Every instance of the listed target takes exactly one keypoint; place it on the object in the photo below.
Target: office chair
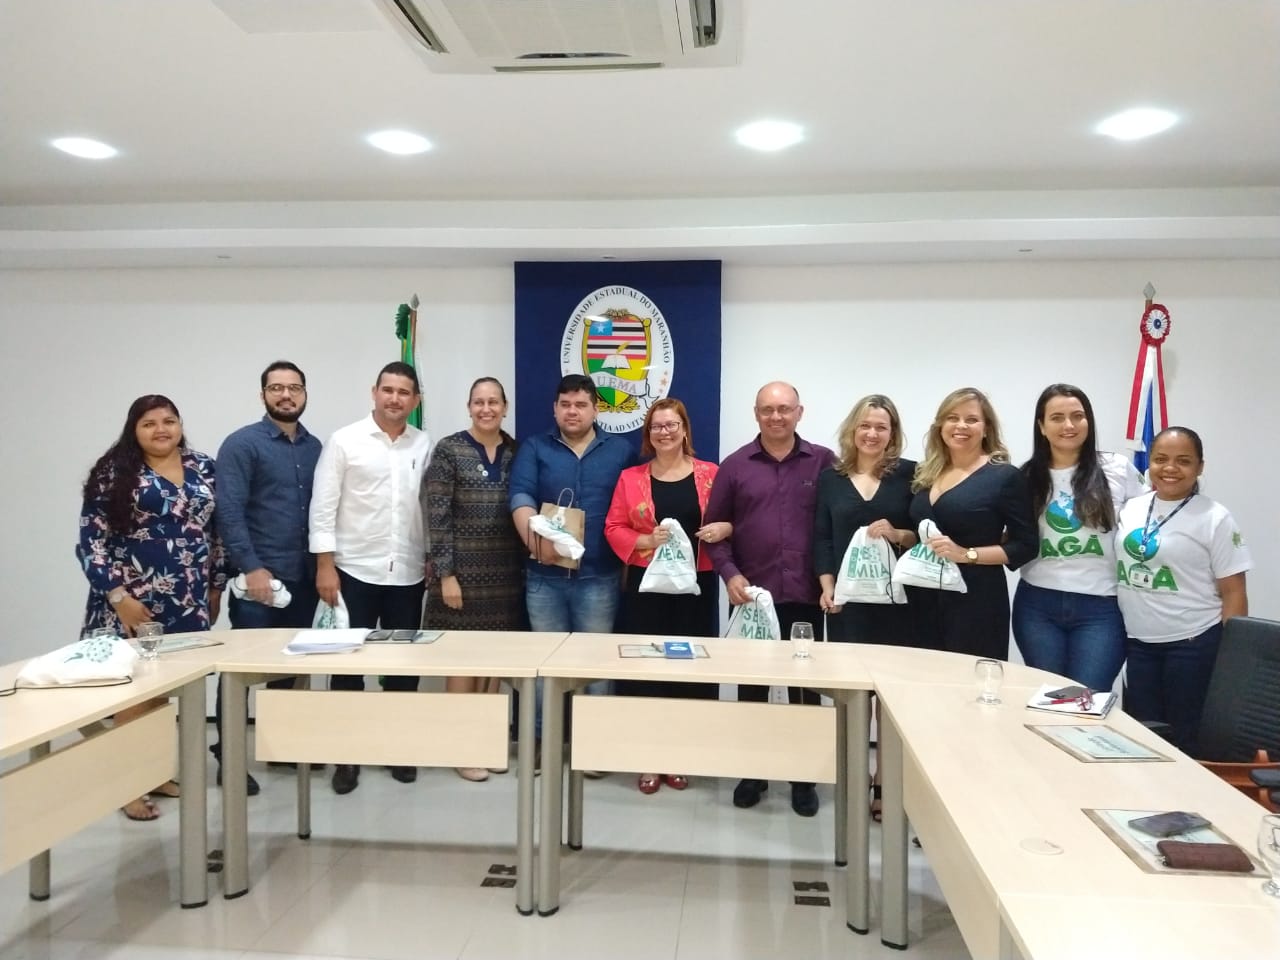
(1270, 779)
(1240, 728)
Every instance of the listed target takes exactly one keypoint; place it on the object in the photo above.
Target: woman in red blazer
(670, 485)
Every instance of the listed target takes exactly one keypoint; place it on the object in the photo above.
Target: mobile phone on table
(1073, 692)
(1168, 824)
(404, 636)
(377, 636)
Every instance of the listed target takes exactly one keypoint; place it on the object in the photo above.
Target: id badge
(1141, 576)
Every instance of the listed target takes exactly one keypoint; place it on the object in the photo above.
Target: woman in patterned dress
(147, 545)
(475, 580)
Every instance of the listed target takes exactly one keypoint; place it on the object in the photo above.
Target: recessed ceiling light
(400, 142)
(1137, 123)
(770, 135)
(86, 148)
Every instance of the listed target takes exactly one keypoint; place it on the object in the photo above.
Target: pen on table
(659, 647)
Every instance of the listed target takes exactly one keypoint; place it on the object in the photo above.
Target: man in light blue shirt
(265, 472)
(574, 465)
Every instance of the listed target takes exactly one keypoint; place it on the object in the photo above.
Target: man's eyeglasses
(665, 427)
(783, 411)
(275, 389)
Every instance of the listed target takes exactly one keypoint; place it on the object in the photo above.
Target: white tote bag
(866, 572)
(921, 567)
(331, 618)
(756, 619)
(92, 662)
(674, 567)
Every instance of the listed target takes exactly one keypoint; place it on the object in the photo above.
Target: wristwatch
(116, 596)
(971, 554)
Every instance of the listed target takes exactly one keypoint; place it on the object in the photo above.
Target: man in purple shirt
(768, 491)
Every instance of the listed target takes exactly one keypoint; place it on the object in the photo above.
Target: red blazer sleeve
(630, 515)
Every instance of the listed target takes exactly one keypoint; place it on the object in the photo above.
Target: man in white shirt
(366, 526)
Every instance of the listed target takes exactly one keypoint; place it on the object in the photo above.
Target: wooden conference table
(984, 794)
(337, 726)
(716, 738)
(109, 766)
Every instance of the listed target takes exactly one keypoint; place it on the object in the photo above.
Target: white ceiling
(932, 102)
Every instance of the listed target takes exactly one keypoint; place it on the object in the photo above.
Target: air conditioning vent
(525, 36)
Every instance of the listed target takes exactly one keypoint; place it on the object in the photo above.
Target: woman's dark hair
(114, 477)
(494, 380)
(1089, 487)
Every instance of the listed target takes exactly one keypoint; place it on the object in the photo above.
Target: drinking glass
(988, 674)
(149, 636)
(802, 640)
(1269, 849)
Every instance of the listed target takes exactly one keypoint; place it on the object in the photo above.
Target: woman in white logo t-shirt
(1181, 565)
(1065, 616)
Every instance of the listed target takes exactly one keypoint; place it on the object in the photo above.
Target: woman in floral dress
(147, 545)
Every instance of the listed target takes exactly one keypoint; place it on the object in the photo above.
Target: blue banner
(641, 330)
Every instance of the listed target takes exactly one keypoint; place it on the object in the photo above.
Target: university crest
(618, 337)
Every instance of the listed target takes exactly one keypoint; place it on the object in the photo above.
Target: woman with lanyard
(1065, 616)
(1182, 563)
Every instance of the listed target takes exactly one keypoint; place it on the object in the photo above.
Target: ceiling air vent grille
(524, 36)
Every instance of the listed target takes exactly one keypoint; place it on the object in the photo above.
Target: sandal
(676, 781)
(649, 783)
(169, 789)
(875, 802)
(140, 809)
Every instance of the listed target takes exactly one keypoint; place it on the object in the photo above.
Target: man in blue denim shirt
(265, 472)
(586, 462)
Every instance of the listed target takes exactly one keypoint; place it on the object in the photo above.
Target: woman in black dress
(966, 485)
(869, 486)
(671, 485)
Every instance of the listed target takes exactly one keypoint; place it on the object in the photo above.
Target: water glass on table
(988, 674)
(149, 635)
(801, 640)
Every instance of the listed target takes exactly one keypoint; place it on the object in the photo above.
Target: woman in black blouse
(983, 511)
(869, 486)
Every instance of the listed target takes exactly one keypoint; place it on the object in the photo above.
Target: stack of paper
(1102, 703)
(326, 641)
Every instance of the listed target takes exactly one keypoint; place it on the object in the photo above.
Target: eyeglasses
(672, 427)
(783, 411)
(275, 389)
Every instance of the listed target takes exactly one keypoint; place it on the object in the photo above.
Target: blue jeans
(1168, 682)
(567, 604)
(1077, 635)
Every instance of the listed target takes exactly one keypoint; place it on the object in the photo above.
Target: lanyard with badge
(1148, 531)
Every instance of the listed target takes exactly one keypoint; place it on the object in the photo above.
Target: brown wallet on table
(1223, 857)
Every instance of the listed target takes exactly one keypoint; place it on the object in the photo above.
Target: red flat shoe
(676, 781)
(649, 783)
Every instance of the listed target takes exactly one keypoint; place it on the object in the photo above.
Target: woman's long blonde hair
(936, 456)
(848, 460)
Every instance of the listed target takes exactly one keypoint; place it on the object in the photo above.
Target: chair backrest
(1242, 708)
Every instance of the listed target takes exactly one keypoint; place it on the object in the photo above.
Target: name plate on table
(1097, 744)
(667, 651)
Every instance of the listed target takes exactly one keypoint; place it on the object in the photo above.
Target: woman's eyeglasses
(672, 427)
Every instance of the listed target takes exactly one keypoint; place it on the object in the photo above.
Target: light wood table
(709, 737)
(109, 767)
(337, 726)
(983, 792)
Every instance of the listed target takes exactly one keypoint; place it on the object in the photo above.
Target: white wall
(78, 346)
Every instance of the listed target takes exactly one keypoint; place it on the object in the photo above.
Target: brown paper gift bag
(570, 519)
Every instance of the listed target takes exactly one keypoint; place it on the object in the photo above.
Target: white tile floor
(394, 872)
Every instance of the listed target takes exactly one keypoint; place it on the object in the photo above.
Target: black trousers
(372, 605)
